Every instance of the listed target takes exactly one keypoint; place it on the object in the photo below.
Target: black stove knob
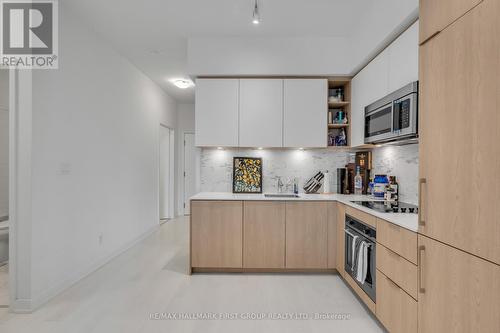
(403, 210)
(395, 209)
(411, 209)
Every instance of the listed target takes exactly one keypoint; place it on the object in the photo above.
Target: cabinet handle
(421, 220)
(421, 249)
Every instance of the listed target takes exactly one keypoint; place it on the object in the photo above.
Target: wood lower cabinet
(398, 269)
(264, 234)
(395, 309)
(459, 110)
(332, 234)
(306, 235)
(397, 239)
(459, 292)
(340, 238)
(435, 15)
(216, 234)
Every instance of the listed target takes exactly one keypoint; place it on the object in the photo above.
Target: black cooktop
(389, 206)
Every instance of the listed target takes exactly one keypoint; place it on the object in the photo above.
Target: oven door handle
(350, 233)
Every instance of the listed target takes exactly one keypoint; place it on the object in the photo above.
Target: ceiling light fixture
(256, 13)
(182, 83)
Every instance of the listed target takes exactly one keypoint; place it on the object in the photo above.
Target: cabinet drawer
(398, 269)
(395, 309)
(362, 216)
(397, 239)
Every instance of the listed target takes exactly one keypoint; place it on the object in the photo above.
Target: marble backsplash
(216, 167)
(401, 162)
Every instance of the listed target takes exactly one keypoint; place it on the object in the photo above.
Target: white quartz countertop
(407, 221)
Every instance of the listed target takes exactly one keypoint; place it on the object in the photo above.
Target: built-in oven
(394, 117)
(360, 247)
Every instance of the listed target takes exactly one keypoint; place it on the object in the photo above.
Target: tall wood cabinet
(458, 292)
(435, 15)
(459, 133)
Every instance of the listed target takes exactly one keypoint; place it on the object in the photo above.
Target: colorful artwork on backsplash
(247, 175)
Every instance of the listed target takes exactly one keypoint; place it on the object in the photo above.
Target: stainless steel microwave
(394, 117)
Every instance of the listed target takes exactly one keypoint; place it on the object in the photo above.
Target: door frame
(171, 172)
(184, 170)
(14, 146)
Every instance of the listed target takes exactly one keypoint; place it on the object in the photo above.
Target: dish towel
(362, 262)
(353, 252)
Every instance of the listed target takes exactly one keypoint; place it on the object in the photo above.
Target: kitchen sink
(281, 195)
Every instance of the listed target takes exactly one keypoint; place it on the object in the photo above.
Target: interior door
(164, 172)
(190, 153)
(459, 136)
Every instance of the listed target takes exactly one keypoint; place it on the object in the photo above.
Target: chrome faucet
(279, 185)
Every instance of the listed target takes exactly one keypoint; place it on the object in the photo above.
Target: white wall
(269, 56)
(376, 26)
(185, 124)
(94, 162)
(4, 143)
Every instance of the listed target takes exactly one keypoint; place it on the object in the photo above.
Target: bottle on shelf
(326, 182)
(358, 182)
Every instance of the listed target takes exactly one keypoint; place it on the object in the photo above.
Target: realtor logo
(29, 34)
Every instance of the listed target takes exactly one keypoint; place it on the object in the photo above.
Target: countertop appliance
(358, 234)
(389, 206)
(394, 117)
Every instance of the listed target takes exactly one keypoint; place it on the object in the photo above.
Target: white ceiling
(153, 34)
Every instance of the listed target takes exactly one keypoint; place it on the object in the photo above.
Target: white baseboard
(30, 305)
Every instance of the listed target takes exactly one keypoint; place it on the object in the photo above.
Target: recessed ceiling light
(220, 148)
(260, 148)
(256, 14)
(182, 83)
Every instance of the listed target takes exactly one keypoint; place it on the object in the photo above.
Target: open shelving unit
(343, 105)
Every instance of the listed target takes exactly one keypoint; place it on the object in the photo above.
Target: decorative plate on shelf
(247, 175)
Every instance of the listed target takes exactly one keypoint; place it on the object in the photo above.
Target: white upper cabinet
(305, 113)
(261, 113)
(368, 86)
(403, 59)
(217, 112)
(392, 69)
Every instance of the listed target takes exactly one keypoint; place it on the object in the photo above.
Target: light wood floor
(151, 278)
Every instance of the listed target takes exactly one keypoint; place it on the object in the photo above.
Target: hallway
(151, 278)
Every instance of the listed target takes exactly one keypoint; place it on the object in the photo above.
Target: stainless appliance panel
(394, 117)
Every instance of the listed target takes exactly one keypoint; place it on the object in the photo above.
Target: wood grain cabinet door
(332, 234)
(264, 234)
(459, 133)
(436, 15)
(395, 308)
(458, 292)
(216, 234)
(306, 235)
(340, 238)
